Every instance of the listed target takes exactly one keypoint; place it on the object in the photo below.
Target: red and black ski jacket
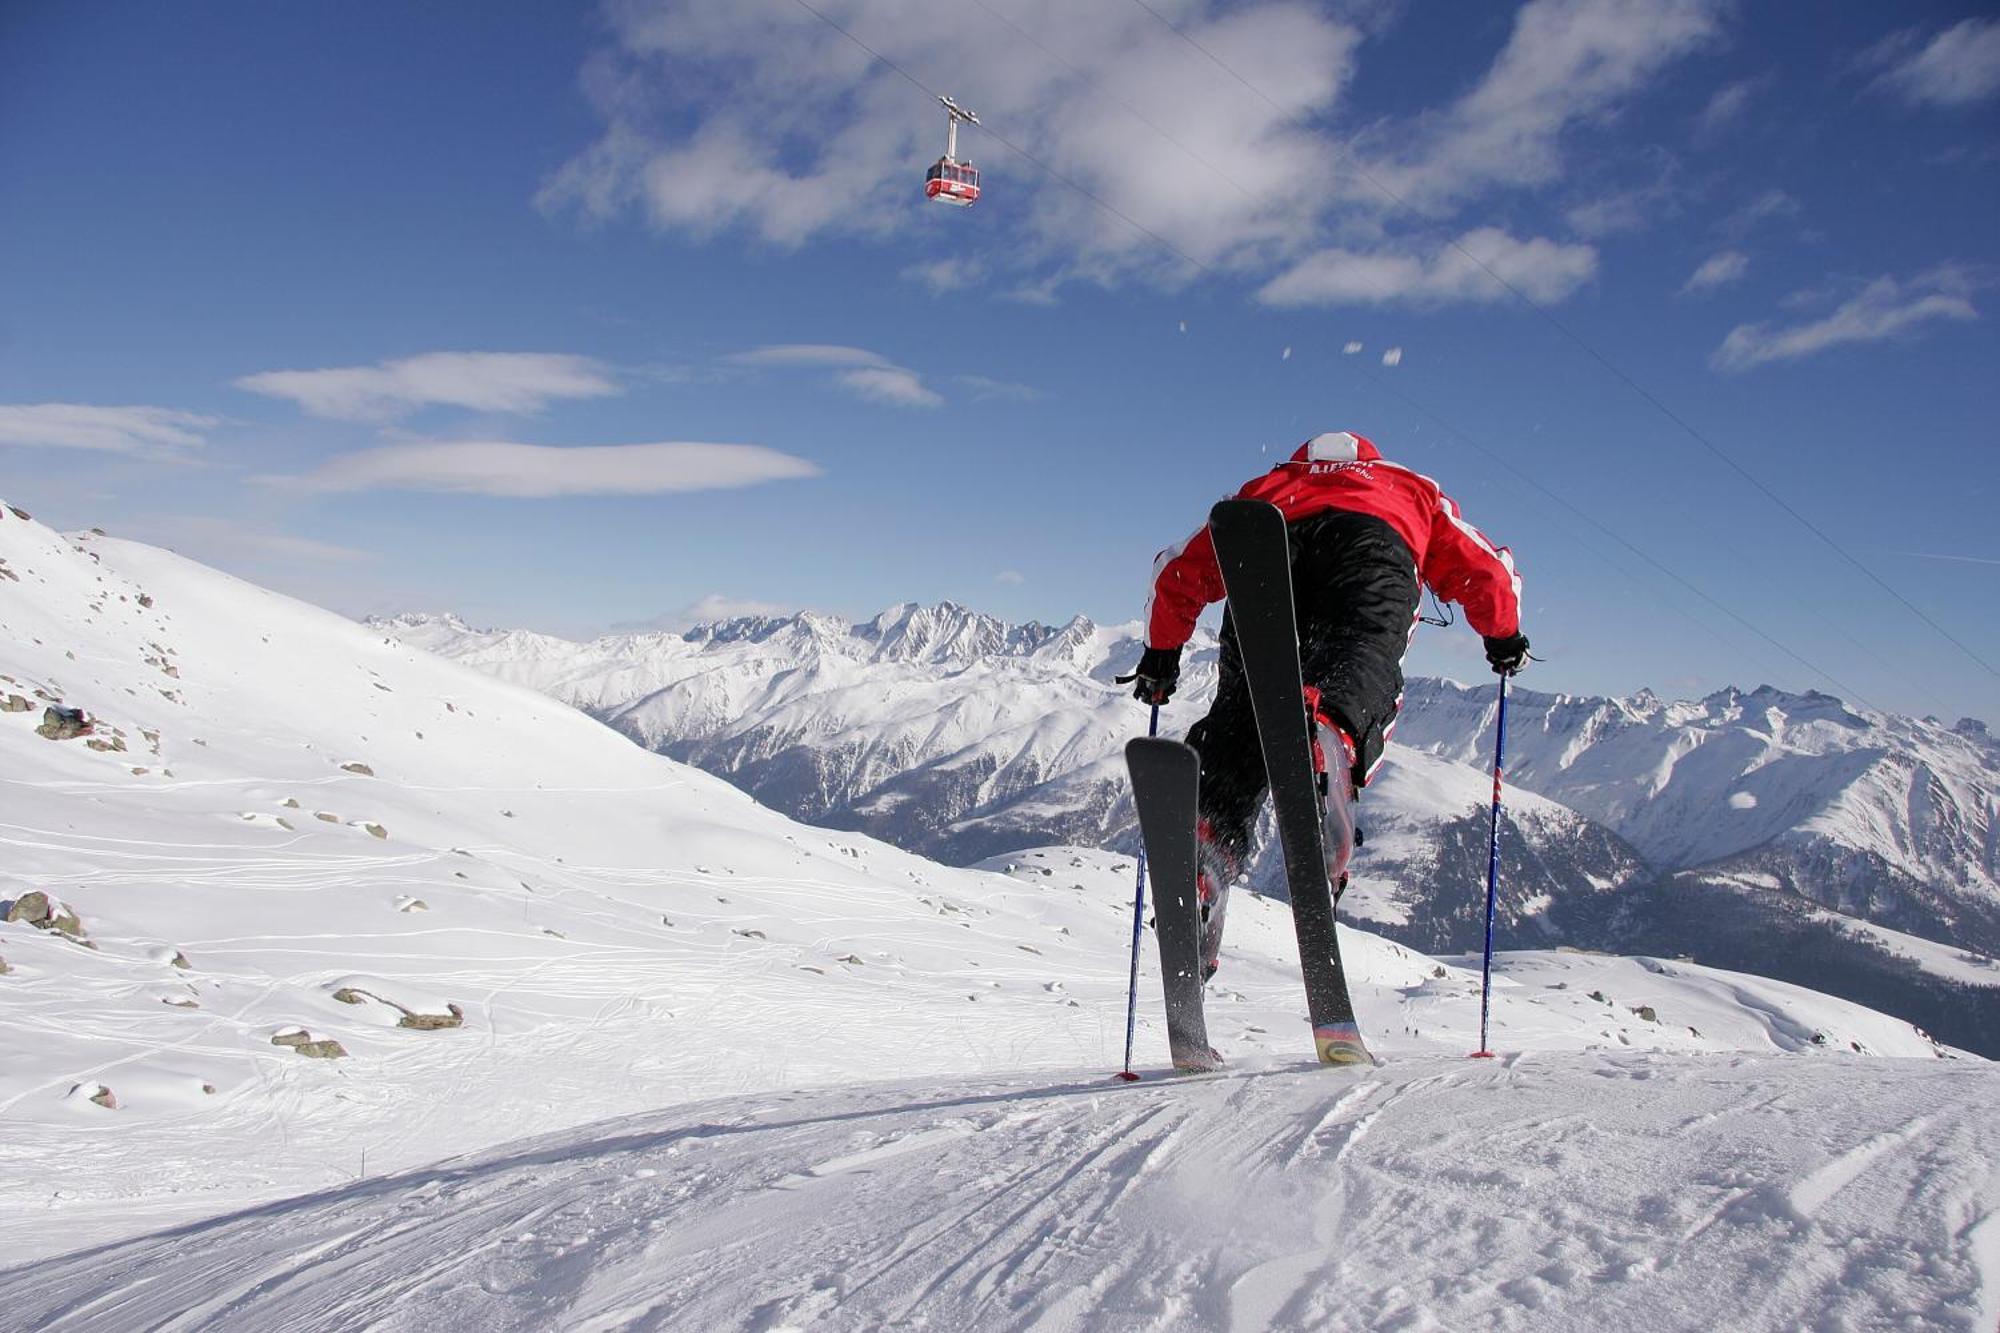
(1345, 471)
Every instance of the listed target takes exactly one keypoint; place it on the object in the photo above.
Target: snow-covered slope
(1562, 1194)
(1635, 824)
(513, 921)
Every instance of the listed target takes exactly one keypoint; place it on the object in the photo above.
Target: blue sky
(313, 292)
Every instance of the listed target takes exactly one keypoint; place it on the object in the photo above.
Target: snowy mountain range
(1847, 849)
(304, 931)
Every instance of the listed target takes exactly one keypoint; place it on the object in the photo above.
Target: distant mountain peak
(415, 620)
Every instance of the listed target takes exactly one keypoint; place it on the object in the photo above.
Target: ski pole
(1138, 926)
(1492, 874)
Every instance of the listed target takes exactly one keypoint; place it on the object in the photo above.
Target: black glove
(1508, 656)
(1159, 670)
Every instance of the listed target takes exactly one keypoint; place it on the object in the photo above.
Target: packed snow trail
(1584, 1191)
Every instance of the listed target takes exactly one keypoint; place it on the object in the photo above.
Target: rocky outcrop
(415, 1019)
(96, 1094)
(63, 724)
(316, 1048)
(44, 911)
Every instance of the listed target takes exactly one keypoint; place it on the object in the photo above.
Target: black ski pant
(1354, 593)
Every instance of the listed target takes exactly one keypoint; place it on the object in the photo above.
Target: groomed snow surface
(780, 1077)
(1577, 1192)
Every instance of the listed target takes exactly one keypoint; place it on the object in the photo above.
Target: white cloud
(806, 354)
(1727, 106)
(1013, 578)
(1627, 210)
(889, 384)
(1350, 349)
(1957, 67)
(1882, 309)
(816, 138)
(858, 371)
(154, 432)
(757, 118)
(1771, 203)
(1718, 270)
(712, 609)
(1958, 559)
(482, 381)
(720, 606)
(984, 388)
(941, 276)
(1630, 209)
(218, 540)
(540, 471)
(1542, 269)
(1567, 61)
(1393, 357)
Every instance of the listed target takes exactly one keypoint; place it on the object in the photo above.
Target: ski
(1252, 548)
(1165, 778)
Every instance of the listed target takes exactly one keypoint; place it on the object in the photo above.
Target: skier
(1366, 534)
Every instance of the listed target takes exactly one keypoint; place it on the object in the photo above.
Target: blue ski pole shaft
(1492, 869)
(1138, 928)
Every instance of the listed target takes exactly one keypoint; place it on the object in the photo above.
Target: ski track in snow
(1582, 1192)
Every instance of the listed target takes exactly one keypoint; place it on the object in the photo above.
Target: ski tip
(1341, 1044)
(1126, 1076)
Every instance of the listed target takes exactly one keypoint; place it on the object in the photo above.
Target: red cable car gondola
(950, 181)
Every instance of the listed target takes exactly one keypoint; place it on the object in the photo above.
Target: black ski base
(1166, 777)
(1253, 551)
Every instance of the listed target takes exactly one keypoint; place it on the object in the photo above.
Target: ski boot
(1217, 867)
(1336, 791)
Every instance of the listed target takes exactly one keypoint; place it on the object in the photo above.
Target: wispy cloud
(1956, 67)
(721, 606)
(895, 385)
(1771, 203)
(1727, 106)
(543, 471)
(1542, 269)
(806, 354)
(1568, 61)
(816, 140)
(1718, 270)
(985, 389)
(1955, 559)
(1883, 309)
(481, 381)
(711, 609)
(1624, 210)
(152, 432)
(856, 370)
(1012, 578)
(227, 540)
(940, 276)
